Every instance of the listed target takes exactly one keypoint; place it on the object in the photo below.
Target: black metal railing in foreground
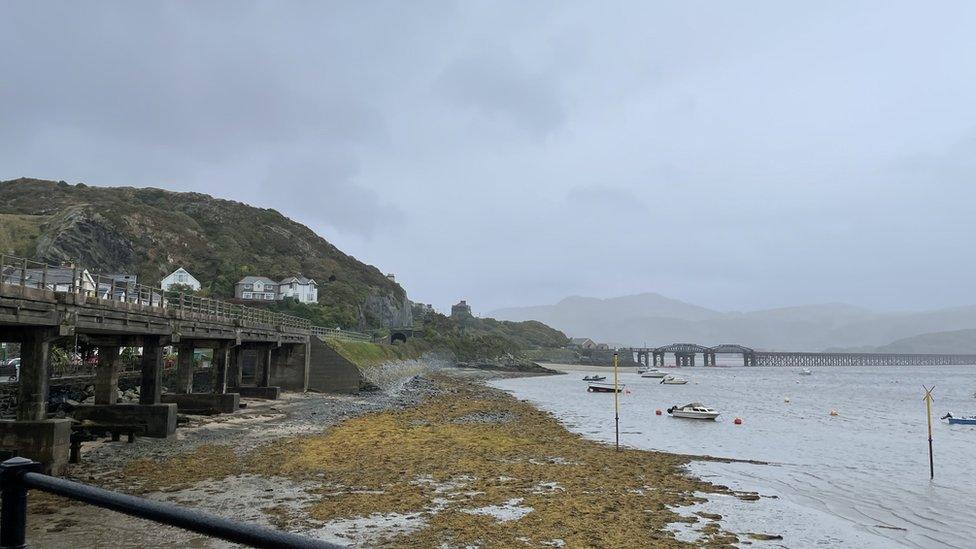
(18, 475)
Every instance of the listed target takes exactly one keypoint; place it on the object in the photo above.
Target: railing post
(13, 502)
(23, 274)
(44, 278)
(74, 279)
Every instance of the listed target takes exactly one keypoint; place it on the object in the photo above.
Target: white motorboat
(641, 369)
(694, 410)
(806, 372)
(653, 372)
(672, 380)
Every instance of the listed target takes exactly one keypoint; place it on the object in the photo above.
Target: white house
(181, 277)
(256, 288)
(303, 289)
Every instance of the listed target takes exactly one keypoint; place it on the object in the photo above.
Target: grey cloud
(495, 85)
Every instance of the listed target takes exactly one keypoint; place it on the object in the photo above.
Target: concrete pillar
(107, 375)
(34, 376)
(234, 371)
(692, 358)
(184, 368)
(152, 371)
(221, 362)
(263, 377)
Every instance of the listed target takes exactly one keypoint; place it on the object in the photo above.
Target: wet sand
(444, 461)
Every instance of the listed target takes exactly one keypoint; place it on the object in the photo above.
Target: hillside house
(256, 288)
(461, 310)
(180, 277)
(582, 343)
(303, 289)
(58, 279)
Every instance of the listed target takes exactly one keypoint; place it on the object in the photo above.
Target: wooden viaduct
(35, 311)
(685, 355)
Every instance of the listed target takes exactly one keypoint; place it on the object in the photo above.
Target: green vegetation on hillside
(474, 338)
(365, 354)
(19, 232)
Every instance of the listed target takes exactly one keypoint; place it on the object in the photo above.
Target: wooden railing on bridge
(18, 271)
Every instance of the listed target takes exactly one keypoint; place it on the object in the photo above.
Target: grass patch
(18, 233)
(364, 354)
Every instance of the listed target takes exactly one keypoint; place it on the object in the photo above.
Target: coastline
(441, 460)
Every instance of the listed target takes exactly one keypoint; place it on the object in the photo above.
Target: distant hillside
(657, 320)
(478, 338)
(151, 232)
(956, 341)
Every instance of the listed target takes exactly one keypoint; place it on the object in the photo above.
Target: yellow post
(616, 401)
(928, 398)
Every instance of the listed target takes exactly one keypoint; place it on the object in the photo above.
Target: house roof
(298, 279)
(253, 279)
(580, 340)
(55, 275)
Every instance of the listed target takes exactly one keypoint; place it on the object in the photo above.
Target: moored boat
(653, 372)
(806, 372)
(594, 378)
(971, 420)
(693, 410)
(604, 388)
(672, 380)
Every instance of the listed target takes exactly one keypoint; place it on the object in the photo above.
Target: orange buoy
(738, 421)
(657, 412)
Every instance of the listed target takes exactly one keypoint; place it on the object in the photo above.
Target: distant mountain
(955, 341)
(657, 320)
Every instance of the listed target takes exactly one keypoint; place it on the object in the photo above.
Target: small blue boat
(971, 420)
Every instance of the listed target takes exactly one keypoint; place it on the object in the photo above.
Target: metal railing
(18, 475)
(338, 333)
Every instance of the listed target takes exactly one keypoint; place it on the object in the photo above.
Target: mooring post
(13, 501)
(928, 398)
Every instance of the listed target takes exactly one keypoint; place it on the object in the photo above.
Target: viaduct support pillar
(32, 435)
(107, 375)
(184, 368)
(221, 363)
(218, 400)
(151, 387)
(262, 377)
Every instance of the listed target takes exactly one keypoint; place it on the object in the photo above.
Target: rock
(71, 402)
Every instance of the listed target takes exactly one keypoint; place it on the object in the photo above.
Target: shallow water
(860, 478)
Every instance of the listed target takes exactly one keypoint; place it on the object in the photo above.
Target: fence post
(3, 270)
(74, 279)
(44, 277)
(13, 501)
(23, 274)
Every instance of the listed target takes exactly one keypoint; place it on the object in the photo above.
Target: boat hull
(594, 388)
(653, 374)
(962, 421)
(695, 415)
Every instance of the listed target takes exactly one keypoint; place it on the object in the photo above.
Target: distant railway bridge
(685, 354)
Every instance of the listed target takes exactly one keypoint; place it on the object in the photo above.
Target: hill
(151, 232)
(955, 341)
(657, 320)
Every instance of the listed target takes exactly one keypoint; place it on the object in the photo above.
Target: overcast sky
(734, 154)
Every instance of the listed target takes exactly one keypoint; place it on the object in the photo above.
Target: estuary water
(857, 479)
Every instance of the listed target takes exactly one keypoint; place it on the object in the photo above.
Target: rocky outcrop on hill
(80, 234)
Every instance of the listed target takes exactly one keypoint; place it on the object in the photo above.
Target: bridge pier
(158, 418)
(107, 375)
(218, 400)
(32, 435)
(262, 373)
(184, 368)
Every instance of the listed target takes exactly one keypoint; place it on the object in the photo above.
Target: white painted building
(182, 277)
(256, 288)
(303, 289)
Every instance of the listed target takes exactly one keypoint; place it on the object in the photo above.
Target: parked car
(10, 369)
